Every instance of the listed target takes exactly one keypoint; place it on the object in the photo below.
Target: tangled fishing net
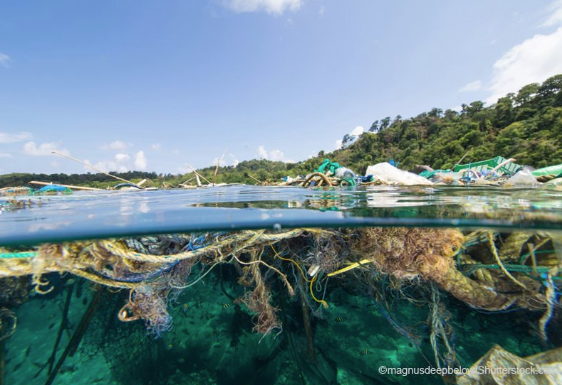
(483, 269)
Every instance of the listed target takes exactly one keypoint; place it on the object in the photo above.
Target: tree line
(88, 179)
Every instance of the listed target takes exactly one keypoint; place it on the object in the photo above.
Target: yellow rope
(287, 234)
(283, 276)
(289, 260)
(306, 183)
(499, 262)
(251, 237)
(104, 281)
(533, 257)
(324, 303)
(123, 252)
(351, 267)
(72, 258)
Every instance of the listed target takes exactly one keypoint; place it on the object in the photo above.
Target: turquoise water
(115, 214)
(370, 319)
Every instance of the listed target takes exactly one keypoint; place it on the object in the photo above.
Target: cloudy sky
(155, 85)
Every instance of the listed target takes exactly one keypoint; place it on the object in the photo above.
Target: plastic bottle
(345, 173)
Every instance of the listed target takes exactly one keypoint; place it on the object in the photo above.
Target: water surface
(86, 215)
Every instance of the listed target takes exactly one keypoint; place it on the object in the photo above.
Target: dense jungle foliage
(526, 125)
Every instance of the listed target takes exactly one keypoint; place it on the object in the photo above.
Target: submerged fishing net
(485, 270)
(130, 362)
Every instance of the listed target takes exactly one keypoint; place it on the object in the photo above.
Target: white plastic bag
(522, 178)
(385, 172)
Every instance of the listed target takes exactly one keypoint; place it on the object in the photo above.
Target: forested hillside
(526, 125)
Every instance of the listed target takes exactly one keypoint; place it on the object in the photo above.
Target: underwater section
(350, 305)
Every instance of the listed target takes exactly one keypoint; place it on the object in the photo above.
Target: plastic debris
(387, 173)
(522, 178)
(547, 173)
(500, 367)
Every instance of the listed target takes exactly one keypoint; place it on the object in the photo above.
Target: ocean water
(117, 214)
(340, 329)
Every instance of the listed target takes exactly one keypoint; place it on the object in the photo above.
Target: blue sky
(153, 85)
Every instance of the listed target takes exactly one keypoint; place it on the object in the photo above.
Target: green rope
(470, 268)
(514, 268)
(527, 255)
(26, 254)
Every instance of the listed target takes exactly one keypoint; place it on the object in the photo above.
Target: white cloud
(228, 160)
(108, 166)
(4, 155)
(12, 138)
(273, 155)
(4, 59)
(276, 155)
(233, 160)
(532, 61)
(472, 86)
(276, 7)
(322, 11)
(44, 149)
(105, 166)
(555, 14)
(262, 152)
(185, 169)
(156, 147)
(220, 161)
(457, 108)
(117, 145)
(357, 131)
(140, 160)
(122, 157)
(88, 169)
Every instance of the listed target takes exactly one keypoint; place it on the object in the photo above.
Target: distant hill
(93, 180)
(526, 125)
